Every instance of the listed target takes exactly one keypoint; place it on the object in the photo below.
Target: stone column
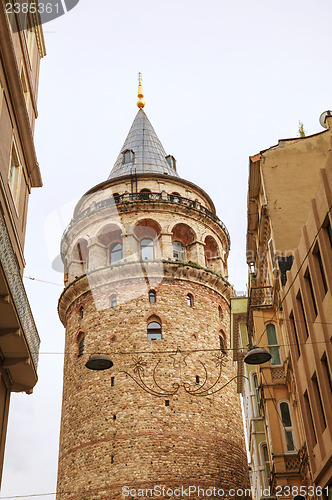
(97, 255)
(197, 253)
(166, 245)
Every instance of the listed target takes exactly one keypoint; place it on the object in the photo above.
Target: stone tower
(146, 284)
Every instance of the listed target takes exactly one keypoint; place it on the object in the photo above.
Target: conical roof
(149, 155)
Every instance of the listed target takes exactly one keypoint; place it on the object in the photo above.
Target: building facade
(256, 440)
(289, 308)
(146, 284)
(307, 305)
(21, 48)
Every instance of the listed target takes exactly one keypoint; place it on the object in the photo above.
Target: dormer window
(171, 161)
(128, 156)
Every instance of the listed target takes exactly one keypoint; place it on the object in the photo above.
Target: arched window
(178, 250)
(81, 311)
(113, 301)
(81, 252)
(115, 253)
(144, 194)
(190, 300)
(116, 197)
(211, 252)
(80, 341)
(154, 331)
(256, 398)
(223, 342)
(273, 344)
(152, 296)
(287, 425)
(175, 197)
(221, 314)
(147, 250)
(183, 238)
(265, 461)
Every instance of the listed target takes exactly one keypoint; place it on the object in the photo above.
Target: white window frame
(112, 251)
(285, 429)
(150, 246)
(253, 395)
(274, 345)
(154, 333)
(181, 251)
(263, 463)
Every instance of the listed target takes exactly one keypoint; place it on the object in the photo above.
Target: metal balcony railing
(150, 197)
(261, 296)
(15, 283)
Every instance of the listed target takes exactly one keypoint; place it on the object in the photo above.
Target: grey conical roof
(149, 157)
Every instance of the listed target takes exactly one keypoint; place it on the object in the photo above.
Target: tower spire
(140, 95)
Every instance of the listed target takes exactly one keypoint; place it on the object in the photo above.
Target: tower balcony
(122, 201)
(19, 339)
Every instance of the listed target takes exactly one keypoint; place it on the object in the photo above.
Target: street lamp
(99, 362)
(257, 356)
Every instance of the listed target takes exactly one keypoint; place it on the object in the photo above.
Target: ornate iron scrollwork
(206, 387)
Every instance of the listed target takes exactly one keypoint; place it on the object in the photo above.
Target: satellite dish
(323, 116)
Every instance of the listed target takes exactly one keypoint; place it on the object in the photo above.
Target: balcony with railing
(260, 297)
(19, 339)
(146, 197)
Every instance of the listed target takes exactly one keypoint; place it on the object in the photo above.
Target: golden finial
(140, 95)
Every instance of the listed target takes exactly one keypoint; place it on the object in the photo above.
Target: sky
(222, 80)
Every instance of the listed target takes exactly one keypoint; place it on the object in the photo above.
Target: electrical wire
(42, 281)
(185, 351)
(28, 496)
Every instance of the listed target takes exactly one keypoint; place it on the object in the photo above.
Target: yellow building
(307, 307)
(256, 441)
(282, 182)
(21, 48)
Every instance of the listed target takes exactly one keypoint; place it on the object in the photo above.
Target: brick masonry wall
(194, 440)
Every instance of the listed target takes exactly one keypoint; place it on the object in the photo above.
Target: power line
(42, 281)
(172, 351)
(28, 496)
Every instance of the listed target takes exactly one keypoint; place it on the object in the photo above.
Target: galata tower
(146, 296)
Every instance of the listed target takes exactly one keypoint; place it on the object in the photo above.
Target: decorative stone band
(16, 287)
(155, 271)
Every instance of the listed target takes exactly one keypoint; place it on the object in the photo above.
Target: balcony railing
(15, 283)
(261, 296)
(150, 197)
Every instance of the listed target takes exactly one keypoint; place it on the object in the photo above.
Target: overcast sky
(222, 81)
